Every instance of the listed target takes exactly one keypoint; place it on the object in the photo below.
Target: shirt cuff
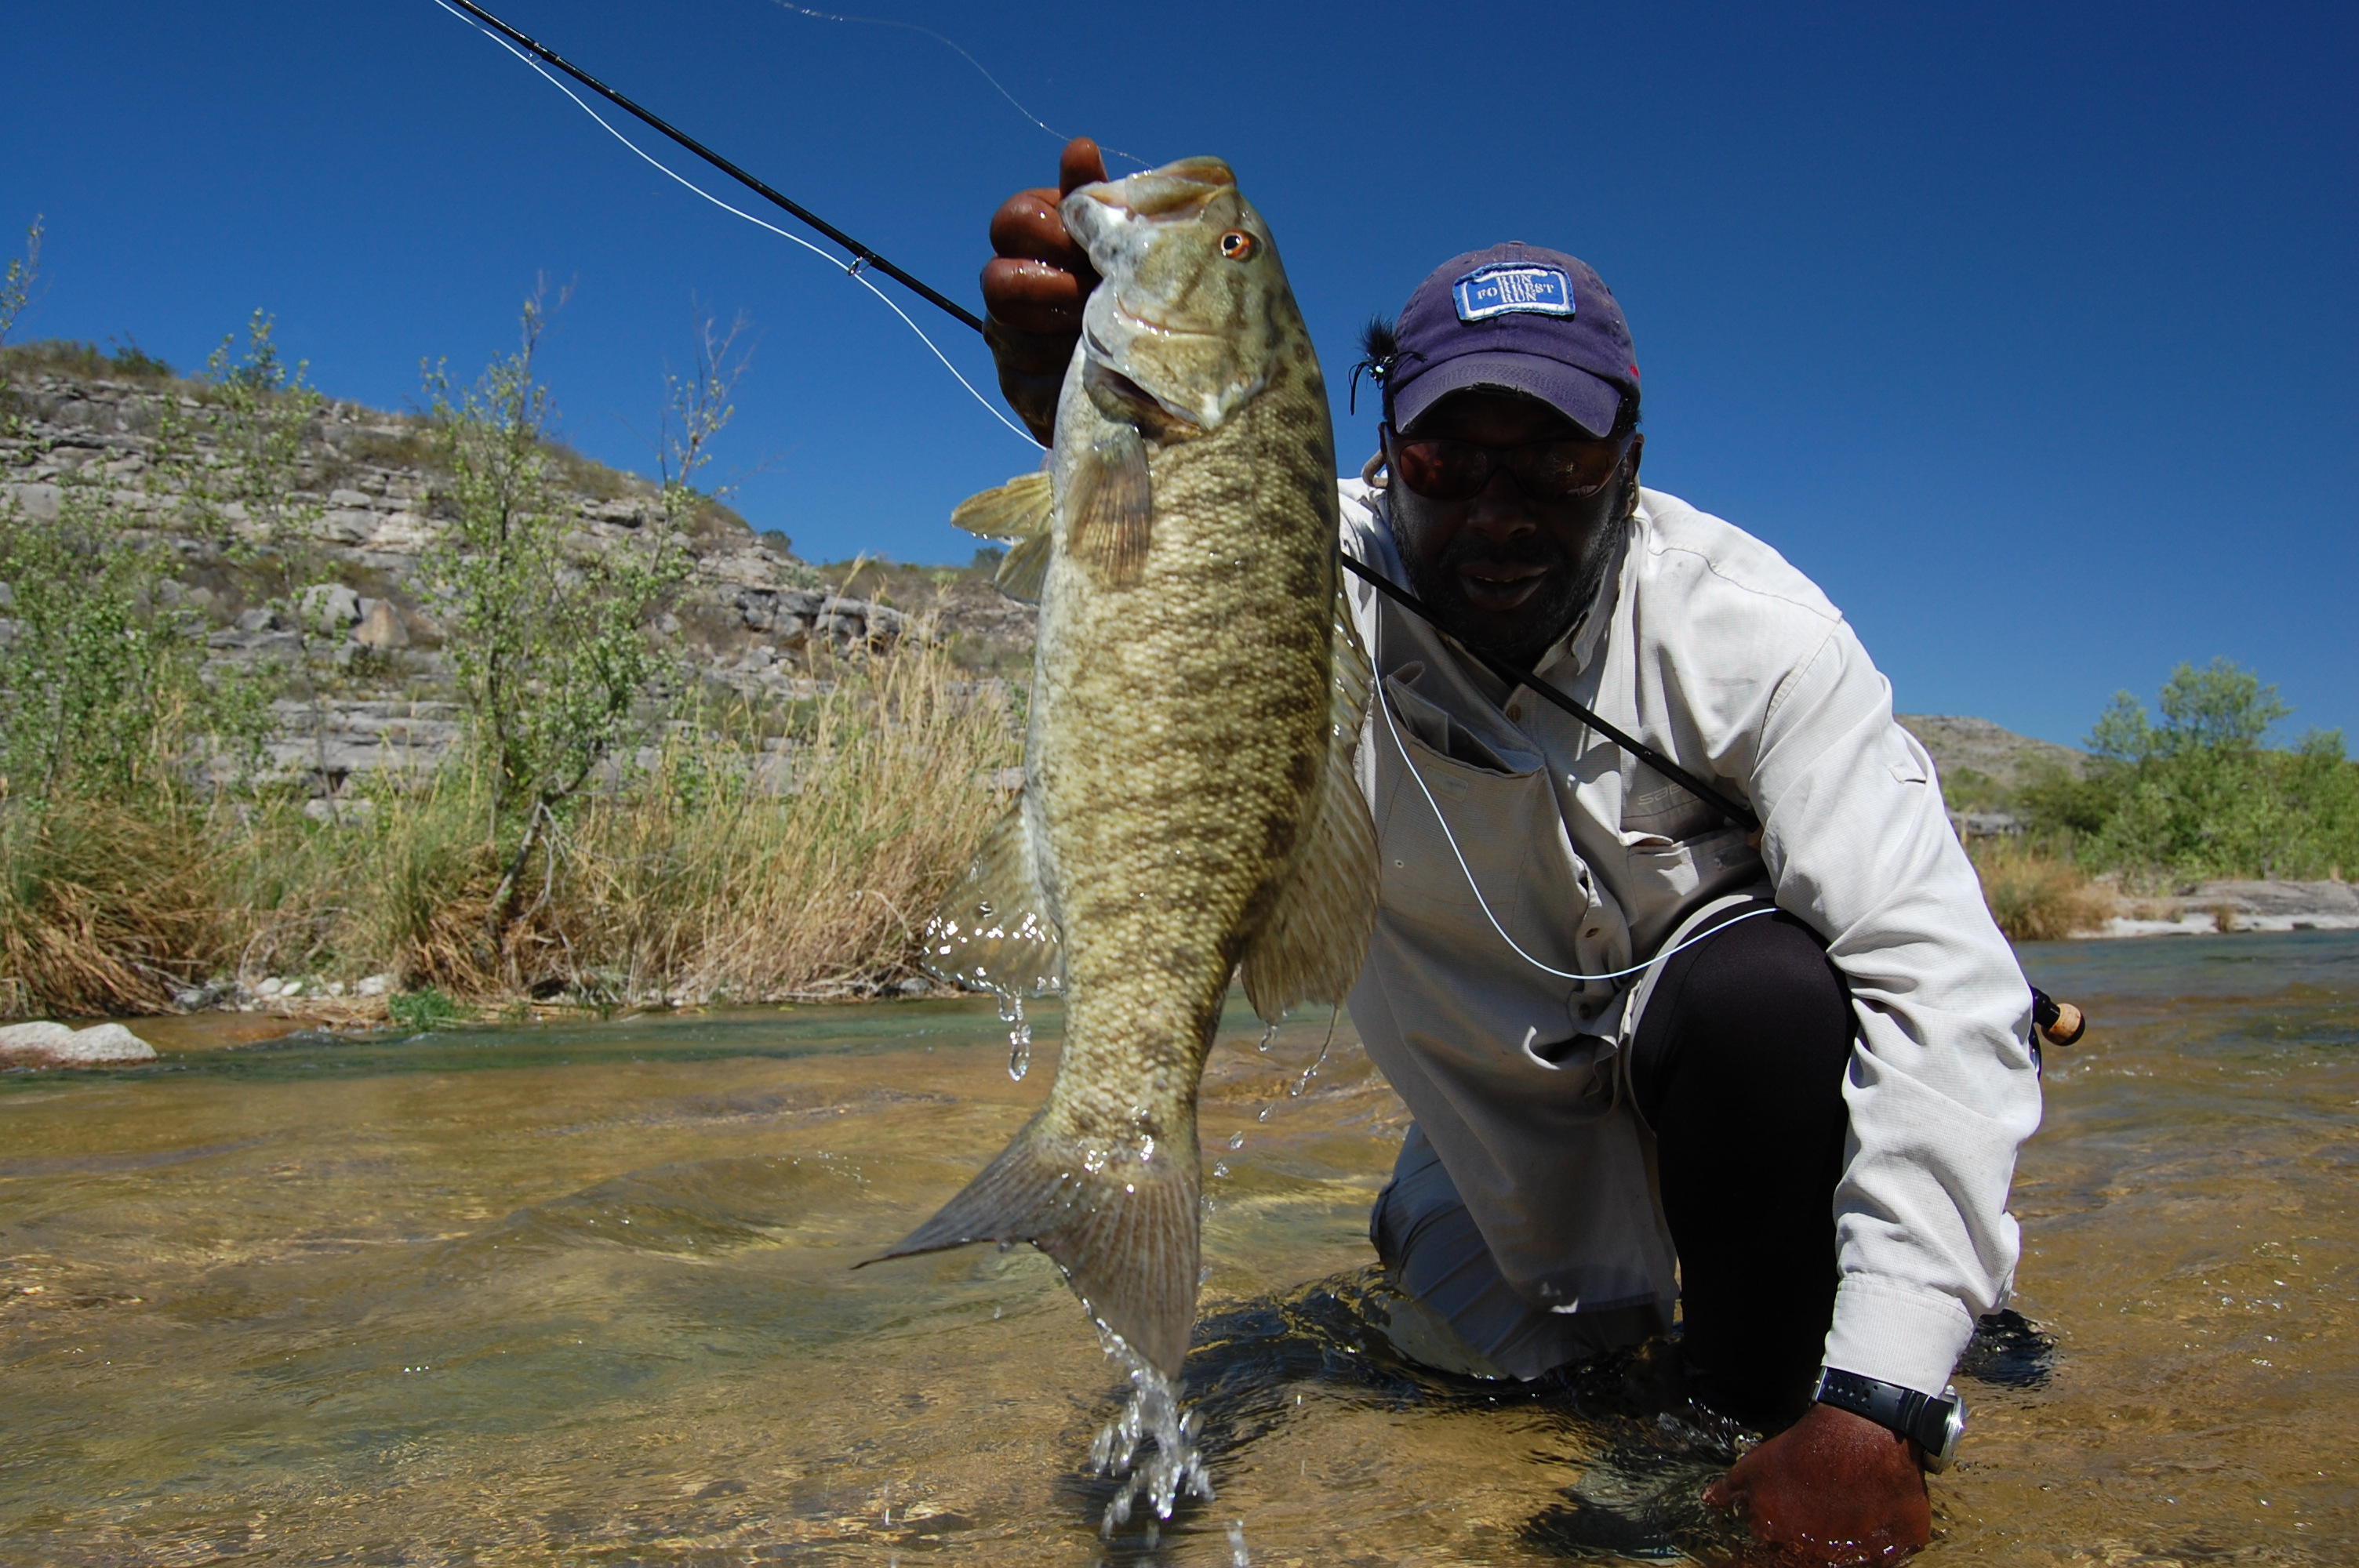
(1896, 1334)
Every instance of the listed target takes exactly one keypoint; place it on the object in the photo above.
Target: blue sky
(2028, 332)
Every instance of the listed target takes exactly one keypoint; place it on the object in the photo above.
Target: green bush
(2197, 795)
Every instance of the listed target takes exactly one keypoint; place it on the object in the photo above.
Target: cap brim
(1589, 401)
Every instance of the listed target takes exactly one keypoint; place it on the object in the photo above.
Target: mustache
(1529, 550)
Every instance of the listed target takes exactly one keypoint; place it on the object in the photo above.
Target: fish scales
(1189, 801)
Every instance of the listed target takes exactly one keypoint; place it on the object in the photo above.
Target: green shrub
(2197, 795)
(421, 1010)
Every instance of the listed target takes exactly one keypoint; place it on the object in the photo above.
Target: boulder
(330, 604)
(382, 627)
(49, 1044)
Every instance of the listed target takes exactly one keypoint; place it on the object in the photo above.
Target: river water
(584, 1294)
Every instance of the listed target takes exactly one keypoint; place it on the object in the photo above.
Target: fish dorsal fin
(1016, 510)
(1109, 501)
(1316, 937)
(996, 930)
(1020, 512)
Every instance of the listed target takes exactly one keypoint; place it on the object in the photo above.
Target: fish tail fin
(1126, 1234)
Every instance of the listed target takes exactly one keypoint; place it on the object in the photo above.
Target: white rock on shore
(2219, 906)
(46, 1044)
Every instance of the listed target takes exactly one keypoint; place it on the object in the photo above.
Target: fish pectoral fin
(1316, 937)
(996, 930)
(1126, 1233)
(1111, 503)
(1016, 510)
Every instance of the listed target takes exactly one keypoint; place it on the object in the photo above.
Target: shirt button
(1515, 711)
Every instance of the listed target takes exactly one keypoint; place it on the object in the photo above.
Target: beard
(1521, 635)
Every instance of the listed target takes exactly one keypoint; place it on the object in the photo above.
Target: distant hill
(1983, 765)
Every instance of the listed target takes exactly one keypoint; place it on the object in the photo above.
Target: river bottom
(586, 1295)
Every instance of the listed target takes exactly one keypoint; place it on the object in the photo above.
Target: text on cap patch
(1511, 290)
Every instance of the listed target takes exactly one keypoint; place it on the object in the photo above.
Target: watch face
(1953, 1426)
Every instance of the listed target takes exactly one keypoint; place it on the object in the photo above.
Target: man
(1793, 1062)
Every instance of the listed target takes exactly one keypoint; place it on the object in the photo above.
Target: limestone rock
(47, 1044)
(381, 627)
(330, 604)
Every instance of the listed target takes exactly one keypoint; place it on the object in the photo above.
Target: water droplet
(1237, 1138)
(1019, 1051)
(1237, 1555)
(1151, 1446)
(1220, 1169)
(1263, 1114)
(1266, 1036)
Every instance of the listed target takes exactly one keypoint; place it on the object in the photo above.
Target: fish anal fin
(997, 931)
(1311, 945)
(1109, 502)
(1124, 1230)
(1016, 510)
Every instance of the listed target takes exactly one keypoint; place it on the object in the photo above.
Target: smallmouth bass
(1189, 803)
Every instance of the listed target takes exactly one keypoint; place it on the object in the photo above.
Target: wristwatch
(1933, 1424)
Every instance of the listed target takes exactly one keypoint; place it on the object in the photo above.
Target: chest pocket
(1676, 849)
(1502, 818)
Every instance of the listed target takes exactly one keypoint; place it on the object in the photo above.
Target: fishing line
(1384, 702)
(855, 269)
(953, 45)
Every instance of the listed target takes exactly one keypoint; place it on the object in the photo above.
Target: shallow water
(584, 1294)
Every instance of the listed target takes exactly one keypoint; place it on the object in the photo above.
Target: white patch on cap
(1509, 288)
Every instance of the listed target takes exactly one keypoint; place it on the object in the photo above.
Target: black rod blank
(861, 256)
(1735, 811)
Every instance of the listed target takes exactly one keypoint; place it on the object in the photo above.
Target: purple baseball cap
(1520, 319)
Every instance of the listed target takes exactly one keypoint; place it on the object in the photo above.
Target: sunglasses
(1446, 469)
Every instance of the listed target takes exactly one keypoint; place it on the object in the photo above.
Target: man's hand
(1033, 289)
(1834, 1488)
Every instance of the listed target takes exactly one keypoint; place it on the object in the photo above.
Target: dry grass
(104, 909)
(2039, 896)
(722, 873)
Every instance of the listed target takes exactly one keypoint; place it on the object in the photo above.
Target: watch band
(1932, 1424)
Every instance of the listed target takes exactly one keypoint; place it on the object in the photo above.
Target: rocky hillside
(1981, 766)
(750, 618)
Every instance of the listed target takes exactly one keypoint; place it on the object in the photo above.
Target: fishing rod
(2061, 1023)
(862, 255)
(1735, 811)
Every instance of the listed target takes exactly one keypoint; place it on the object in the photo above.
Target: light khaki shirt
(1708, 646)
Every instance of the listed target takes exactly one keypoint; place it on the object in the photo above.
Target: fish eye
(1238, 245)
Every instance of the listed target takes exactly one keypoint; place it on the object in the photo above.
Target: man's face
(1505, 573)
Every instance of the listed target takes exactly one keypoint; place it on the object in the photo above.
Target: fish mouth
(1104, 380)
(1176, 191)
(1148, 324)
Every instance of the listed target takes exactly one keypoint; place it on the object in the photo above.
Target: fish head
(1193, 306)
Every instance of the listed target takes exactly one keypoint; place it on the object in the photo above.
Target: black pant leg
(1738, 1067)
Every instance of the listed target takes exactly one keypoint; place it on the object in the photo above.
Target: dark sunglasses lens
(1557, 470)
(1444, 470)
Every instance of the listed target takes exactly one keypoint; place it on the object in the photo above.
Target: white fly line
(1385, 704)
(853, 270)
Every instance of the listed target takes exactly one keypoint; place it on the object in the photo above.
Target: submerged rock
(47, 1044)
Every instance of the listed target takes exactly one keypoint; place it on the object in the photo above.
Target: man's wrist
(1934, 1423)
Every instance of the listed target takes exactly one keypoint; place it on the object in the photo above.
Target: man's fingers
(1034, 296)
(1082, 164)
(1026, 225)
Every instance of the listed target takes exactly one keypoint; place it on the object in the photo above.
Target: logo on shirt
(1510, 289)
